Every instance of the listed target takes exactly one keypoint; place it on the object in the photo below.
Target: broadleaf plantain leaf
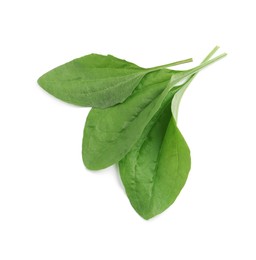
(95, 80)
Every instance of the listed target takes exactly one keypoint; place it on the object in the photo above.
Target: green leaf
(110, 133)
(95, 80)
(156, 168)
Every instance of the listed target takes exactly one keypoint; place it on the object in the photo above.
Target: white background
(51, 207)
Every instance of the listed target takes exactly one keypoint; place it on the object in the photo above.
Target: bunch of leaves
(132, 123)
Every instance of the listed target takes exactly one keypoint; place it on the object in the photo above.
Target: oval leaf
(155, 170)
(95, 80)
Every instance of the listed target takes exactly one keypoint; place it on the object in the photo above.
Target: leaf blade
(84, 81)
(95, 80)
(154, 176)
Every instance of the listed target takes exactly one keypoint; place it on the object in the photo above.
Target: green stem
(182, 75)
(171, 64)
(182, 88)
(205, 64)
(210, 54)
(205, 60)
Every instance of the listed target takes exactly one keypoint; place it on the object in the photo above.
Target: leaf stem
(198, 68)
(182, 88)
(208, 57)
(210, 54)
(171, 64)
(206, 63)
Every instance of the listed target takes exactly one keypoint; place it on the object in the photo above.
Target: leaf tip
(38, 80)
